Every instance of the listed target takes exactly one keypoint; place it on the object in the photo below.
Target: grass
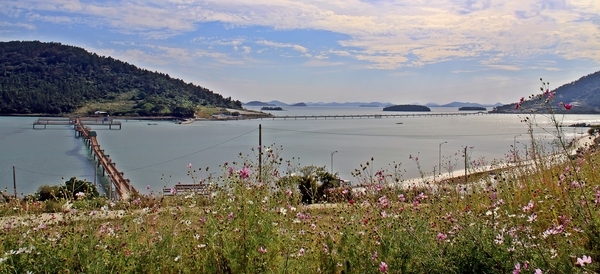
(546, 219)
(543, 218)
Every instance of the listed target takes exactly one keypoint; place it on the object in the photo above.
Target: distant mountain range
(366, 104)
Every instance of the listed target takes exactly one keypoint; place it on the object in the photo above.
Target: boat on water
(186, 121)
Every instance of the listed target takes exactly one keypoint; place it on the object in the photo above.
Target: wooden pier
(81, 126)
(95, 121)
(374, 116)
(122, 185)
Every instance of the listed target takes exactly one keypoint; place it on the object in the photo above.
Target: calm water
(158, 155)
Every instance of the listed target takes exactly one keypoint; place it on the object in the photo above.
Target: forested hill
(51, 78)
(583, 95)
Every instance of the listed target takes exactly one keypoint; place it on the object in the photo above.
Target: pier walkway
(122, 185)
(81, 126)
(376, 116)
(96, 121)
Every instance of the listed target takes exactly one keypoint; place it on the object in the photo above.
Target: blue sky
(416, 51)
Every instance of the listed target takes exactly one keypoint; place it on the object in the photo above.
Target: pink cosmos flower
(230, 171)
(568, 106)
(262, 250)
(383, 267)
(517, 269)
(244, 172)
(189, 165)
(584, 260)
(441, 237)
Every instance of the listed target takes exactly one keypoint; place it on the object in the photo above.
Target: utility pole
(259, 152)
(465, 165)
(15, 180)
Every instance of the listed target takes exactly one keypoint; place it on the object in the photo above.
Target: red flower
(568, 106)
(351, 201)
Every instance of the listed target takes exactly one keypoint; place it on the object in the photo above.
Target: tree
(74, 186)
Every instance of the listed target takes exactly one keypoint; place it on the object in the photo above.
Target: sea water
(158, 156)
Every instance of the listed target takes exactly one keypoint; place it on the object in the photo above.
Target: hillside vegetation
(583, 94)
(56, 79)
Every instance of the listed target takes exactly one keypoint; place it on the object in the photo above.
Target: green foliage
(314, 183)
(73, 187)
(50, 78)
(47, 192)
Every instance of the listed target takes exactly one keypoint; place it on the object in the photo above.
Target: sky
(418, 51)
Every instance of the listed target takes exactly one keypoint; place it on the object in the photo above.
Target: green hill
(56, 79)
(583, 94)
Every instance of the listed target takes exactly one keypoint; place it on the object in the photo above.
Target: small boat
(186, 121)
(399, 123)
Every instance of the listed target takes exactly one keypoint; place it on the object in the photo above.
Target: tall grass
(538, 218)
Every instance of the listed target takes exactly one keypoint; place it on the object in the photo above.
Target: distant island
(299, 105)
(258, 103)
(407, 108)
(271, 108)
(369, 106)
(472, 108)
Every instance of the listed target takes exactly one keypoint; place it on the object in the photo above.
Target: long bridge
(122, 185)
(376, 116)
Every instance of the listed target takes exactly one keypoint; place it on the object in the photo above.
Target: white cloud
(17, 25)
(385, 34)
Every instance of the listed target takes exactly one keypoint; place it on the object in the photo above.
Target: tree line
(56, 79)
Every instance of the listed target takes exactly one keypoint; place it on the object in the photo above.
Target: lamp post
(440, 158)
(526, 151)
(332, 161)
(515, 148)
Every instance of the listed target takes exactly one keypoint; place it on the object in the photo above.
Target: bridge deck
(72, 121)
(124, 189)
(370, 116)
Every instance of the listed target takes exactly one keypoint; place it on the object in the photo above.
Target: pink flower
(262, 250)
(567, 106)
(584, 260)
(374, 256)
(517, 269)
(441, 237)
(230, 171)
(244, 172)
(230, 216)
(189, 165)
(383, 267)
(538, 271)
(522, 100)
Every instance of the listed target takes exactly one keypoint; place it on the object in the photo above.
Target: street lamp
(440, 158)
(332, 161)
(515, 147)
(526, 151)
